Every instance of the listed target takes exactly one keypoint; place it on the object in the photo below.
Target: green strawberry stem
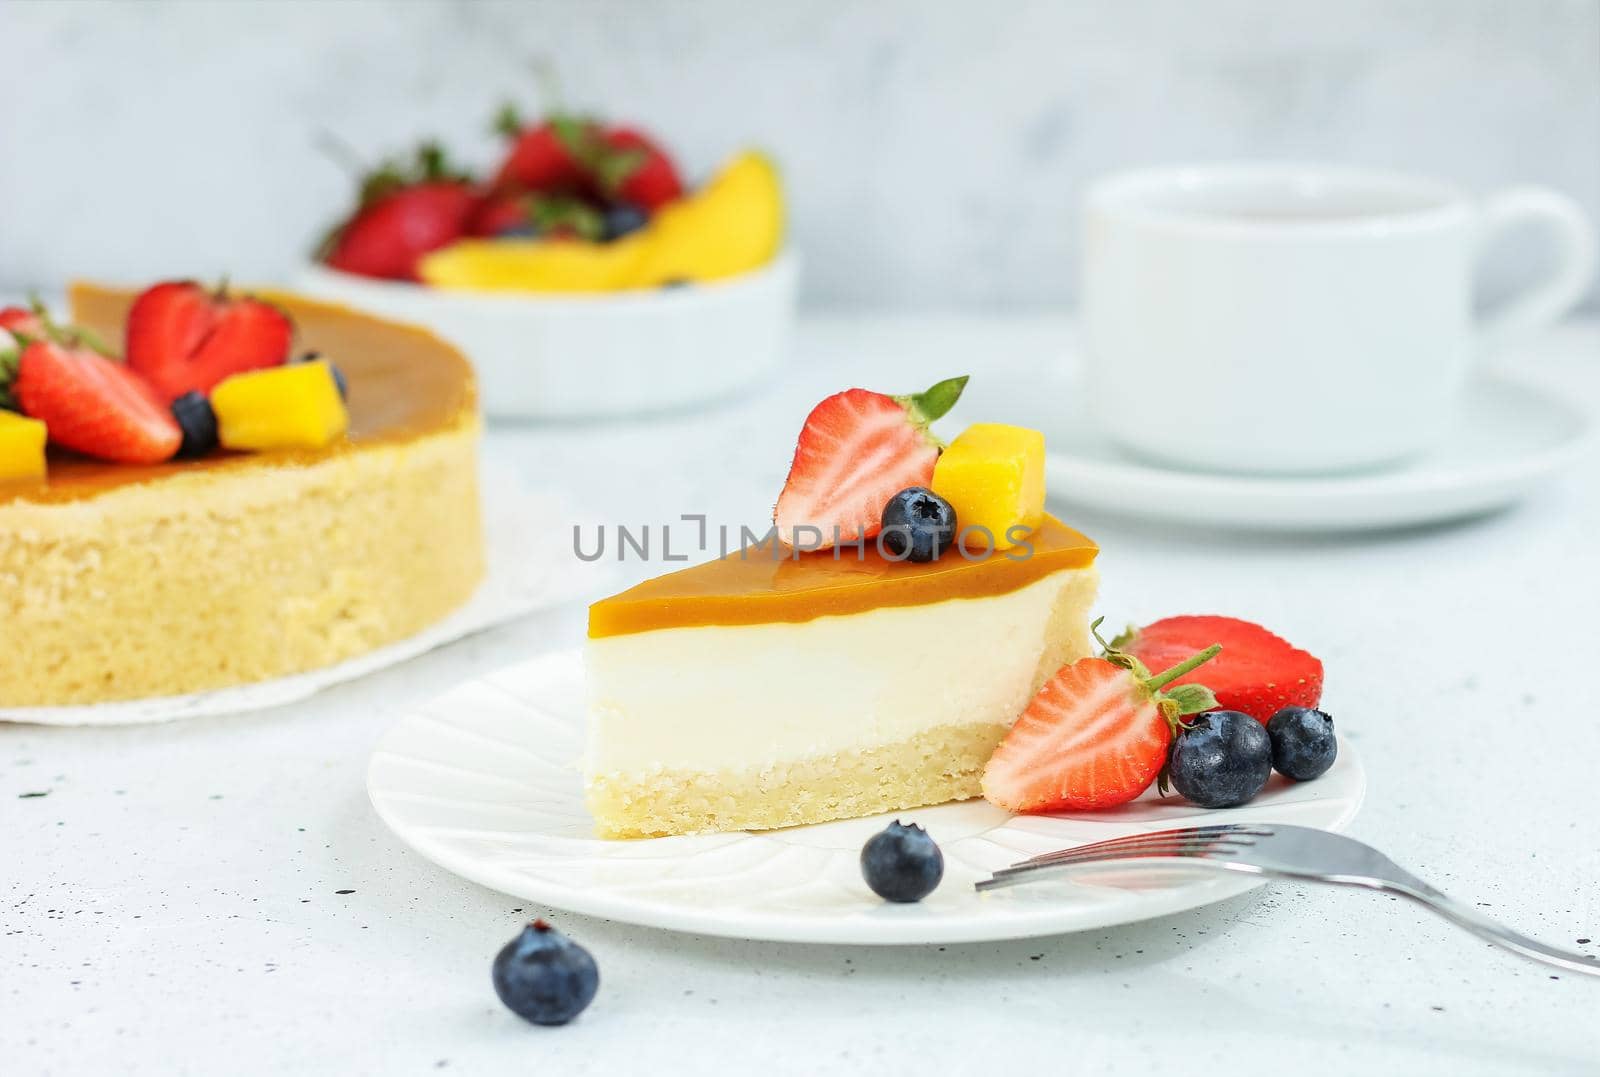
(1188, 665)
(935, 402)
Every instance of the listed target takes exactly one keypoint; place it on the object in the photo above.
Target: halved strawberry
(858, 449)
(1095, 736)
(94, 405)
(1258, 673)
(183, 338)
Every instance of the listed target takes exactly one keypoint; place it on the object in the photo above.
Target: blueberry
(1303, 744)
(901, 863)
(918, 525)
(545, 977)
(622, 218)
(1222, 760)
(338, 375)
(197, 421)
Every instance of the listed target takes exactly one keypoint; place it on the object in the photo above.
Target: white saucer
(484, 782)
(1511, 436)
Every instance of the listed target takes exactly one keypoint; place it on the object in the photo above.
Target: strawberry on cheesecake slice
(869, 671)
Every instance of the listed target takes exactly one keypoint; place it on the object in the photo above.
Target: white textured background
(934, 150)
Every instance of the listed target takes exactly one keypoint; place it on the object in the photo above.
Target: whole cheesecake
(124, 582)
(761, 691)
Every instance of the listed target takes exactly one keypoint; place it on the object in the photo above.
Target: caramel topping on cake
(404, 383)
(761, 585)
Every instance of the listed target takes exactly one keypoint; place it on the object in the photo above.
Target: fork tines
(1219, 840)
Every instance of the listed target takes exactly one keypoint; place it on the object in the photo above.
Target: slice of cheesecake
(768, 689)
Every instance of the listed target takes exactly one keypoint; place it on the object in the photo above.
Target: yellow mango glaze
(766, 585)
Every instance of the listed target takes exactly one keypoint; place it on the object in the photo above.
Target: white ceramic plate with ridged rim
(485, 782)
(1510, 437)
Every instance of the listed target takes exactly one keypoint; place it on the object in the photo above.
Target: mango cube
(993, 475)
(21, 447)
(284, 407)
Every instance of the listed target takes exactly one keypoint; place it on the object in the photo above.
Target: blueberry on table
(918, 525)
(1222, 760)
(1303, 744)
(901, 863)
(544, 977)
(197, 421)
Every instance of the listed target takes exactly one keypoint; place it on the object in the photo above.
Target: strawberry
(94, 405)
(403, 213)
(183, 338)
(1095, 736)
(858, 449)
(499, 213)
(22, 321)
(1258, 673)
(636, 170)
(544, 156)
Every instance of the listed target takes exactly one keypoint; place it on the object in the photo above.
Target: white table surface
(219, 897)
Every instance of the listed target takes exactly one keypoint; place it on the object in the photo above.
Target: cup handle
(1546, 300)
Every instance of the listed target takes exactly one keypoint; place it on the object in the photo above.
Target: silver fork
(1284, 852)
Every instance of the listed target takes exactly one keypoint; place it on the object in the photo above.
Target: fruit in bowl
(584, 275)
(576, 205)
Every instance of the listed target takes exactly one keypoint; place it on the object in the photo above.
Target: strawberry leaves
(934, 402)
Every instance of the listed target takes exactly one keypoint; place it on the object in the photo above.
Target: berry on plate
(183, 338)
(857, 450)
(544, 977)
(403, 213)
(1257, 673)
(94, 405)
(1221, 759)
(902, 863)
(918, 525)
(1095, 736)
(994, 476)
(1303, 743)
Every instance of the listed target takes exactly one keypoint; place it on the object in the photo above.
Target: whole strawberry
(403, 213)
(634, 169)
(1095, 736)
(1258, 673)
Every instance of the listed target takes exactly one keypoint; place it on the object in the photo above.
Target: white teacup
(1289, 318)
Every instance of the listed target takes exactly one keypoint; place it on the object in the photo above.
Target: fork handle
(1465, 916)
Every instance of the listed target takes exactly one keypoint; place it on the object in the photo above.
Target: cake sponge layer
(932, 767)
(688, 704)
(205, 580)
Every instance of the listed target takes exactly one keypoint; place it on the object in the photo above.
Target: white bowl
(585, 356)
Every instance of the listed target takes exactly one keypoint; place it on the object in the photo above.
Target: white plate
(1510, 437)
(484, 781)
(583, 356)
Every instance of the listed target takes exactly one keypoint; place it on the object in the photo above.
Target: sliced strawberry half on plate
(1095, 736)
(858, 449)
(94, 405)
(183, 338)
(1258, 672)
